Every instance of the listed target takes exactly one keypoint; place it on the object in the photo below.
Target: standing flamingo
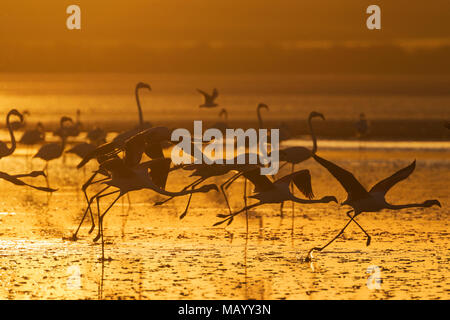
(51, 151)
(296, 155)
(362, 200)
(16, 125)
(142, 124)
(4, 150)
(33, 136)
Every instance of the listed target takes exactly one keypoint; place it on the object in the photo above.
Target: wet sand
(157, 256)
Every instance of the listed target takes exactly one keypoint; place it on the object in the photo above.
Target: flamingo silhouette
(4, 150)
(33, 136)
(362, 200)
(277, 191)
(209, 98)
(70, 130)
(127, 179)
(296, 155)
(96, 136)
(258, 114)
(16, 125)
(142, 124)
(52, 151)
(148, 141)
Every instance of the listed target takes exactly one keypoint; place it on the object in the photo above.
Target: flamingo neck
(141, 117)
(260, 121)
(11, 134)
(313, 135)
(405, 206)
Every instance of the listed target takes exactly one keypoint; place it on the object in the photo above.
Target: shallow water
(157, 256)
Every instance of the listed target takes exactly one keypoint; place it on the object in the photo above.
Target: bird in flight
(209, 98)
(362, 200)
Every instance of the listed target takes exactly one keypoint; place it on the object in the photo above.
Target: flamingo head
(142, 85)
(209, 187)
(316, 114)
(263, 106)
(328, 199)
(16, 113)
(430, 203)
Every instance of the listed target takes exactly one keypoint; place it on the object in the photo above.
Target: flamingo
(51, 151)
(16, 125)
(277, 191)
(142, 124)
(296, 155)
(148, 142)
(72, 130)
(222, 125)
(82, 149)
(209, 98)
(33, 136)
(4, 150)
(96, 136)
(126, 179)
(258, 114)
(362, 200)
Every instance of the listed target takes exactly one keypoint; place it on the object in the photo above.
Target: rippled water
(157, 256)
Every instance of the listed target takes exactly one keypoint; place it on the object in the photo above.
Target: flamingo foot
(368, 241)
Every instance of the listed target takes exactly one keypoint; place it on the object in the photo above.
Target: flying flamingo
(4, 150)
(296, 155)
(362, 200)
(148, 141)
(142, 124)
(127, 179)
(277, 191)
(209, 98)
(51, 151)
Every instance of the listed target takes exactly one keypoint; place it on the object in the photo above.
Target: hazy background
(323, 36)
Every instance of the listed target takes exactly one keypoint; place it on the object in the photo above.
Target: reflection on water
(155, 255)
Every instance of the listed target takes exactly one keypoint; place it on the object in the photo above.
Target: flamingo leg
(293, 203)
(190, 197)
(185, 188)
(367, 235)
(281, 209)
(226, 185)
(89, 201)
(100, 216)
(245, 206)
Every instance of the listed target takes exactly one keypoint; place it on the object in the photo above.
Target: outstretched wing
(261, 182)
(205, 95)
(159, 170)
(215, 94)
(354, 189)
(385, 185)
(302, 180)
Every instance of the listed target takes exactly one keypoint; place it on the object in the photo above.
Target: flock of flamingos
(121, 169)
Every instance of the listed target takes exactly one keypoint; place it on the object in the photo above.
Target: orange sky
(225, 20)
(27, 26)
